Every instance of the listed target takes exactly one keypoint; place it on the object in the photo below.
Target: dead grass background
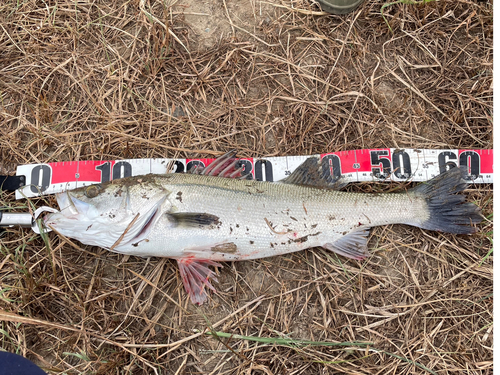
(135, 79)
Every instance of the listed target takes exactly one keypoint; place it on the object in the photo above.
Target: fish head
(116, 215)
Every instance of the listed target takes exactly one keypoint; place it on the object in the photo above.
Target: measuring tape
(384, 164)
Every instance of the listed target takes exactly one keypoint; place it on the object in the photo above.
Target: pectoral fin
(353, 245)
(196, 276)
(193, 220)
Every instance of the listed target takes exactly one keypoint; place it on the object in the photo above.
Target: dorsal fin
(224, 166)
(314, 173)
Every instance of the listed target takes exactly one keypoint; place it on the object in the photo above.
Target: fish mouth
(72, 207)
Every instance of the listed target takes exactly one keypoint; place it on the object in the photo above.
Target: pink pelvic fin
(196, 276)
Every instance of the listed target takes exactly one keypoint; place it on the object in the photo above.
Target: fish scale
(201, 218)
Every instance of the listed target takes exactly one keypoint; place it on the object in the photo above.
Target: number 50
(400, 162)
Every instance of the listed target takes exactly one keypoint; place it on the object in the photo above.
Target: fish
(218, 214)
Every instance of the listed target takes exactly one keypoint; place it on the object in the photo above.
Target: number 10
(120, 170)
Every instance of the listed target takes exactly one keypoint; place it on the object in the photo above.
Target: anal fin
(196, 276)
(353, 245)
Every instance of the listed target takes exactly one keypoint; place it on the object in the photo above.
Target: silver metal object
(339, 6)
(36, 228)
(25, 219)
(20, 219)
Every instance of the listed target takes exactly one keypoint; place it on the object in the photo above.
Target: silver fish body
(253, 219)
(199, 219)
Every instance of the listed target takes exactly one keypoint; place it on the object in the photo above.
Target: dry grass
(104, 80)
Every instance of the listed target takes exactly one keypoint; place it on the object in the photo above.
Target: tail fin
(448, 212)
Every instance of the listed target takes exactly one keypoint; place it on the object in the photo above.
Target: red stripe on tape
(88, 170)
(484, 158)
(63, 172)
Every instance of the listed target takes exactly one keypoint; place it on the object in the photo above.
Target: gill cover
(109, 222)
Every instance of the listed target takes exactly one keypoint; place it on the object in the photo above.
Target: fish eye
(92, 191)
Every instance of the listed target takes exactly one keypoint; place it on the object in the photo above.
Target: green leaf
(80, 355)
